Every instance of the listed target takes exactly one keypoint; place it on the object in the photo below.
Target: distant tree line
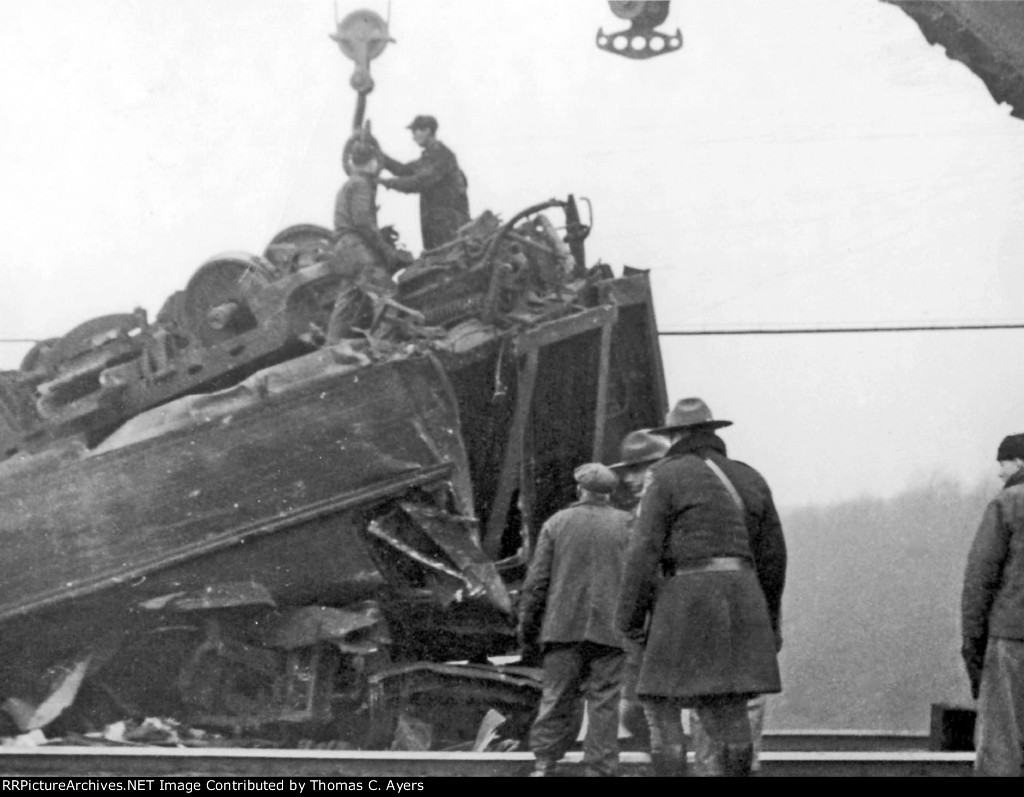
(871, 609)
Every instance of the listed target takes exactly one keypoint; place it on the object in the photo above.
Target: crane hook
(640, 40)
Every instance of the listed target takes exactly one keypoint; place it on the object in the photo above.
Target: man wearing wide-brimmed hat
(637, 452)
(437, 178)
(708, 529)
(568, 605)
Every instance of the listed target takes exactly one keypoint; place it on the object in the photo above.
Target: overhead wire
(952, 327)
(838, 330)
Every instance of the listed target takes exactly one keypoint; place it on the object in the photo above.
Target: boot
(677, 759)
(543, 768)
(633, 721)
(738, 759)
(661, 765)
(670, 763)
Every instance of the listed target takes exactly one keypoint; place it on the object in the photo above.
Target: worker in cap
(437, 178)
(567, 609)
(702, 589)
(992, 620)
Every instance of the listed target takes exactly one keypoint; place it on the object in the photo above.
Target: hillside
(871, 609)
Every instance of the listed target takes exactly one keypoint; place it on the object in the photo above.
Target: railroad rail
(137, 762)
(844, 741)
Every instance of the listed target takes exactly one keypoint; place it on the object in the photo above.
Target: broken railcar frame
(142, 531)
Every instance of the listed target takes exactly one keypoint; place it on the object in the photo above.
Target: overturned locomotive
(218, 518)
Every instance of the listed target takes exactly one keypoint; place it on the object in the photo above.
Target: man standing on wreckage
(361, 255)
(713, 589)
(437, 178)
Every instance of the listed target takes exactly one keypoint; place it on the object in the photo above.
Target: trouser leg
(346, 311)
(631, 710)
(604, 684)
(730, 745)
(999, 733)
(707, 754)
(557, 722)
(668, 744)
(755, 713)
(363, 280)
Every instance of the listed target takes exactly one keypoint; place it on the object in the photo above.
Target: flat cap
(423, 121)
(596, 477)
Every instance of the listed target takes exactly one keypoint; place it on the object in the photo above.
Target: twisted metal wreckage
(216, 518)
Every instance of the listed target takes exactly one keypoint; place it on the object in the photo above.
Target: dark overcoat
(710, 634)
(441, 184)
(992, 602)
(764, 530)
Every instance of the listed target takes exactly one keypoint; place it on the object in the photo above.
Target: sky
(797, 163)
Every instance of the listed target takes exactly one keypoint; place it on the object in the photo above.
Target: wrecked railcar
(217, 518)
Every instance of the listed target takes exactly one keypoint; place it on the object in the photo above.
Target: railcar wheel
(40, 356)
(217, 302)
(298, 246)
(95, 333)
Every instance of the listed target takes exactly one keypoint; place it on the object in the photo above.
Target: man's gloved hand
(387, 182)
(973, 652)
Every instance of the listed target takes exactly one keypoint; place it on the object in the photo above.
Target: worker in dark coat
(568, 606)
(361, 254)
(768, 546)
(637, 452)
(712, 638)
(437, 178)
(992, 620)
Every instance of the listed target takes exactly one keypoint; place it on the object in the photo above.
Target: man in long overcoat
(437, 178)
(568, 605)
(992, 619)
(713, 633)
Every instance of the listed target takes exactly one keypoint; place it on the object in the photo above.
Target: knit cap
(1011, 448)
